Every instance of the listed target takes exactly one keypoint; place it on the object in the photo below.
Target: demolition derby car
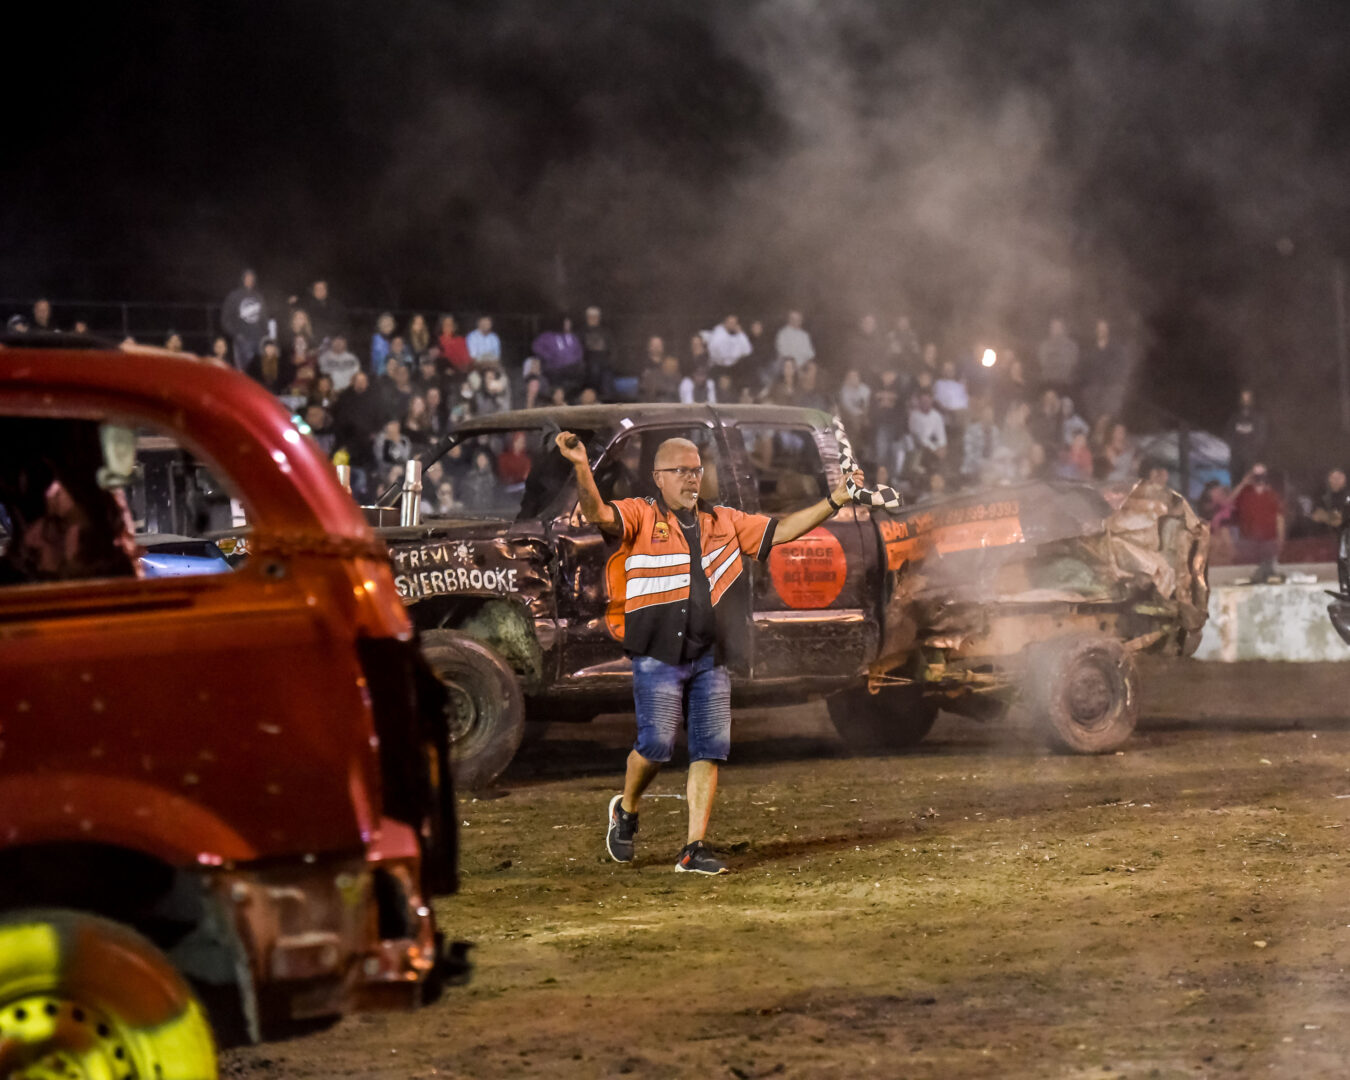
(1037, 595)
(224, 793)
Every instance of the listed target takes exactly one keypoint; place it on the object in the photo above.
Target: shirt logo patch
(661, 532)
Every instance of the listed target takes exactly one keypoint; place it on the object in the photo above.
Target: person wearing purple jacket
(562, 357)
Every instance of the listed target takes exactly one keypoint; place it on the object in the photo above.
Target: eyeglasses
(684, 472)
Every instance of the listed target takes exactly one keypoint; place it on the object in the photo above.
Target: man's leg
(701, 791)
(639, 774)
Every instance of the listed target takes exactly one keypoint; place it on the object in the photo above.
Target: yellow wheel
(83, 997)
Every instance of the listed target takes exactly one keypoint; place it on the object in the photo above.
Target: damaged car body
(1037, 594)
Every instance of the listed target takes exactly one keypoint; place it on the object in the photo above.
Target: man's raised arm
(593, 508)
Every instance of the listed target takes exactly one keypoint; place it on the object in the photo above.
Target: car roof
(604, 417)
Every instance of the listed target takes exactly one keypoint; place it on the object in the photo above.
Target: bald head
(674, 452)
(678, 473)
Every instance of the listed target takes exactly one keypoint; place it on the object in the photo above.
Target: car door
(592, 650)
(814, 600)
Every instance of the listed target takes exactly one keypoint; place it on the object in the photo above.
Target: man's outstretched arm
(803, 521)
(593, 508)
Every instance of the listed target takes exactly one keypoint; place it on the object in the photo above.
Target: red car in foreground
(222, 795)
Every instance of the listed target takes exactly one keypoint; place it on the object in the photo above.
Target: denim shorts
(667, 695)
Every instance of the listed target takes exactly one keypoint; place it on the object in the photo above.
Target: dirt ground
(974, 908)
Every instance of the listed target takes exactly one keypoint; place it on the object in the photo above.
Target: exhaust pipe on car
(410, 504)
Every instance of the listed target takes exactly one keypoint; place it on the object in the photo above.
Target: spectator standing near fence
(902, 344)
(42, 317)
(855, 407)
(484, 346)
(1247, 433)
(358, 415)
(326, 316)
(889, 421)
(697, 388)
(662, 383)
(1105, 374)
(979, 445)
(866, 349)
(381, 341)
(243, 314)
(727, 344)
(1259, 512)
(1058, 357)
(1332, 508)
(270, 368)
(600, 357)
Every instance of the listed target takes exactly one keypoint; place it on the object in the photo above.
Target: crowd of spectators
(921, 420)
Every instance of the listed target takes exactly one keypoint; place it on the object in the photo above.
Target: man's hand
(841, 493)
(572, 448)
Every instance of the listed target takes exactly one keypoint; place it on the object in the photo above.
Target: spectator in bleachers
(174, 342)
(980, 444)
(1046, 423)
(1073, 424)
(599, 360)
(478, 488)
(419, 337)
(1259, 512)
(557, 396)
(1332, 508)
(220, 353)
(785, 389)
(79, 326)
(494, 395)
(697, 388)
(446, 502)
(396, 388)
(653, 359)
(929, 363)
(304, 363)
(1011, 382)
(563, 356)
(392, 447)
(588, 396)
(454, 348)
(339, 363)
(244, 317)
(902, 343)
(533, 387)
(810, 394)
(1104, 374)
(42, 317)
(399, 353)
(793, 340)
(662, 383)
(485, 347)
(326, 317)
(928, 433)
(1075, 459)
(320, 426)
(417, 426)
(270, 368)
(513, 463)
(866, 349)
(429, 371)
(727, 344)
(889, 418)
(299, 325)
(698, 353)
(727, 390)
(18, 324)
(381, 341)
(1116, 460)
(322, 392)
(953, 398)
(855, 407)
(1058, 356)
(358, 415)
(434, 396)
(1016, 458)
(1247, 434)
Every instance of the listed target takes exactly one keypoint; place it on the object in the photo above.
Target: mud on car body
(219, 785)
(1038, 594)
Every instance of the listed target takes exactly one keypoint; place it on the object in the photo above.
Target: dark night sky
(980, 165)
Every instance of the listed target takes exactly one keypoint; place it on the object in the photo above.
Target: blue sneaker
(623, 827)
(697, 858)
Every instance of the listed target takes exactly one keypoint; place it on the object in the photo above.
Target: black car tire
(485, 710)
(890, 720)
(1083, 693)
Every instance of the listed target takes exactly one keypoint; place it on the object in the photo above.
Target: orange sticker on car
(809, 572)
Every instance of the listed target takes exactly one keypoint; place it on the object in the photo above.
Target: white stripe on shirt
(643, 586)
(726, 564)
(646, 562)
(708, 558)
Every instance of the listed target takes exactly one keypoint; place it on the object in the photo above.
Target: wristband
(834, 506)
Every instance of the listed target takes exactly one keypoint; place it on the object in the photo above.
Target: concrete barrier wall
(1270, 622)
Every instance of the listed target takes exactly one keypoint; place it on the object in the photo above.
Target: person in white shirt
(484, 345)
(728, 343)
(950, 391)
(697, 388)
(926, 426)
(339, 363)
(793, 341)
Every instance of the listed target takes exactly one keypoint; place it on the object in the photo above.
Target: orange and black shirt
(648, 577)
